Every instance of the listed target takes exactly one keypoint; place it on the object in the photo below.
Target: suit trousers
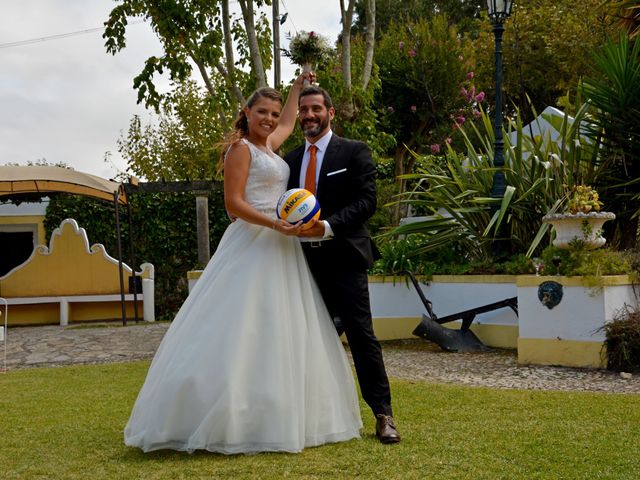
(346, 294)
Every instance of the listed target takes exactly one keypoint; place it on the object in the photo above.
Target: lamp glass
(499, 8)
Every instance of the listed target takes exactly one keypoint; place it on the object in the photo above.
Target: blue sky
(67, 100)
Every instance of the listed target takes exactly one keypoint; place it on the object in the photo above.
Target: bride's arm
(289, 113)
(236, 172)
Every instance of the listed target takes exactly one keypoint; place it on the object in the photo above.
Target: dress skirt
(251, 362)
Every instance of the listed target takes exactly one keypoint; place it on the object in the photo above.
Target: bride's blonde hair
(241, 125)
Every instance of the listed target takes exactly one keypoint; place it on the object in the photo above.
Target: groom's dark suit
(346, 192)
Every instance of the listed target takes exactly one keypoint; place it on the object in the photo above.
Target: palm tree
(627, 14)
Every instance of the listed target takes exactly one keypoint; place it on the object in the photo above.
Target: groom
(338, 248)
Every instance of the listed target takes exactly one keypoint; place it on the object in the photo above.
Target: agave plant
(456, 189)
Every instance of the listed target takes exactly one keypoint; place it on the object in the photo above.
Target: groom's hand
(315, 230)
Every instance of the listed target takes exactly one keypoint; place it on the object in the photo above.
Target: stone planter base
(570, 333)
(567, 353)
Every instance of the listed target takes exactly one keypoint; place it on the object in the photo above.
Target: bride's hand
(309, 76)
(287, 228)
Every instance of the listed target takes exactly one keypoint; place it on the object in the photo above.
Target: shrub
(404, 254)
(577, 260)
(623, 341)
(407, 254)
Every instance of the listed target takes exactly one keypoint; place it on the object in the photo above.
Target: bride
(252, 361)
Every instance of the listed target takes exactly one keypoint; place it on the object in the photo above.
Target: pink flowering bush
(423, 72)
(468, 110)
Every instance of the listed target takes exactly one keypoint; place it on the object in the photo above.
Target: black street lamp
(499, 11)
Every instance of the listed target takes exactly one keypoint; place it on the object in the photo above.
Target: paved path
(410, 359)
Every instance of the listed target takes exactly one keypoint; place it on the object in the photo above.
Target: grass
(66, 423)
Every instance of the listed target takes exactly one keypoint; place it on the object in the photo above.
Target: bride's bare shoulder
(237, 152)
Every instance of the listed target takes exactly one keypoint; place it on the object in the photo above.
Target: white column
(64, 312)
(148, 299)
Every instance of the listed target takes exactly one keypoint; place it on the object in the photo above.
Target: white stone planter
(569, 333)
(586, 227)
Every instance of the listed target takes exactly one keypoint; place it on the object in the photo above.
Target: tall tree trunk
(404, 164)
(370, 38)
(254, 49)
(276, 43)
(228, 55)
(232, 86)
(398, 159)
(347, 18)
(205, 75)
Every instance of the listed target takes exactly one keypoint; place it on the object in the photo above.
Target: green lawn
(59, 423)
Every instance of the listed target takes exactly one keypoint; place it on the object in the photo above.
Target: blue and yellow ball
(297, 205)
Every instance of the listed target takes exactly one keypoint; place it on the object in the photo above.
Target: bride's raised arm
(289, 113)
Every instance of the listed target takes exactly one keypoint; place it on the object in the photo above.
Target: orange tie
(310, 176)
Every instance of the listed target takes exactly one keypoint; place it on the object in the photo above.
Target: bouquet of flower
(307, 49)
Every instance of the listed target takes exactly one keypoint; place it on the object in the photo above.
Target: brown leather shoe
(386, 429)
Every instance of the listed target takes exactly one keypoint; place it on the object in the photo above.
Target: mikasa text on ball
(297, 205)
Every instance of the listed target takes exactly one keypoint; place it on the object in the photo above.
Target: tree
(197, 31)
(463, 13)
(547, 47)
(426, 87)
(252, 42)
(346, 15)
(181, 146)
(370, 36)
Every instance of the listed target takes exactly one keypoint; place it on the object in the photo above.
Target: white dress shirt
(322, 144)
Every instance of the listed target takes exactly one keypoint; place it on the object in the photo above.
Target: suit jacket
(346, 192)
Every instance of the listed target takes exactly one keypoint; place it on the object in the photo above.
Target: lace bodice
(268, 176)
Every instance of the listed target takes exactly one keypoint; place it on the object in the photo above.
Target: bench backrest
(67, 267)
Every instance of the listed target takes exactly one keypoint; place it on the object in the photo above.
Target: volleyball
(297, 205)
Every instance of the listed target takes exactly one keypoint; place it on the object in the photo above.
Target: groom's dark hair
(315, 90)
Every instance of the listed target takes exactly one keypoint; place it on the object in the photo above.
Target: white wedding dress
(252, 361)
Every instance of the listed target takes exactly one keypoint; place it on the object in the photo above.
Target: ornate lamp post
(499, 11)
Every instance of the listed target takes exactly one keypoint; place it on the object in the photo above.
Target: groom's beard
(312, 129)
